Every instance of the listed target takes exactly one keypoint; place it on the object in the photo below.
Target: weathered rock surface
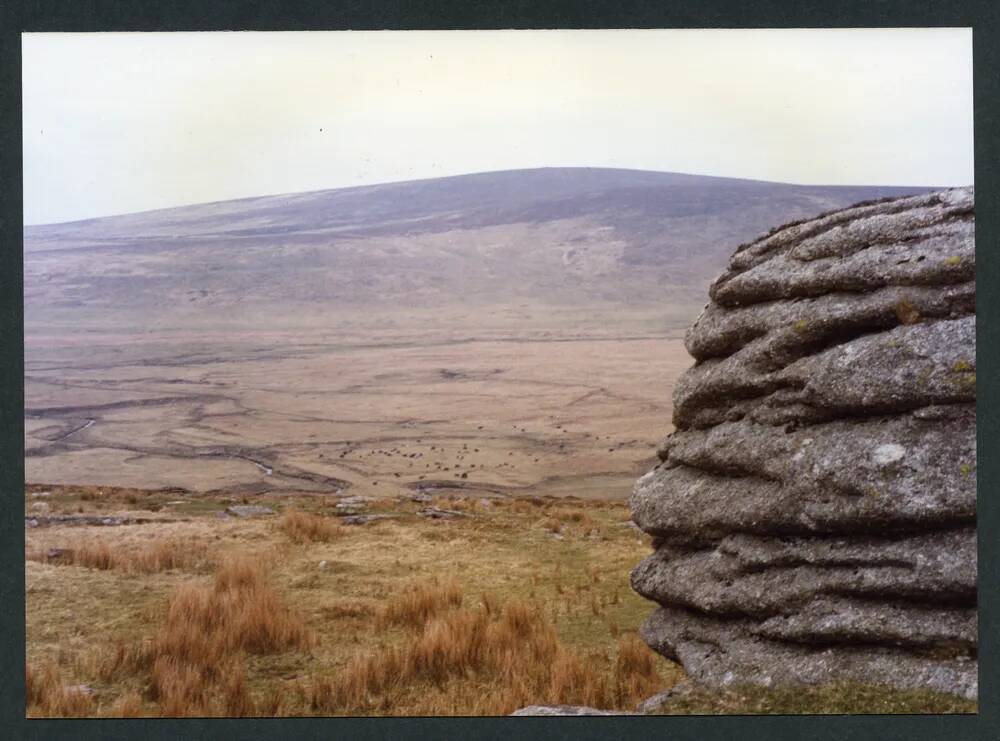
(657, 701)
(101, 520)
(814, 511)
(365, 519)
(436, 513)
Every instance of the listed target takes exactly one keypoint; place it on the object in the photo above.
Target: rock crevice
(814, 510)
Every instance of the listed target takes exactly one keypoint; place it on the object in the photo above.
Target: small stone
(564, 710)
(365, 519)
(657, 701)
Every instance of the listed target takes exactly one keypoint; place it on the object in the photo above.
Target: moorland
(366, 451)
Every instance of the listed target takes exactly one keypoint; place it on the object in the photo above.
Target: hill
(553, 236)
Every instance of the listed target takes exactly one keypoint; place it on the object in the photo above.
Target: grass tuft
(195, 660)
(304, 527)
(420, 602)
(484, 661)
(147, 558)
(46, 696)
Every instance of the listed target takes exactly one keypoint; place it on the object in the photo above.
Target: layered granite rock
(814, 511)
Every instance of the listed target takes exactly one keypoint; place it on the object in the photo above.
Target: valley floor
(380, 409)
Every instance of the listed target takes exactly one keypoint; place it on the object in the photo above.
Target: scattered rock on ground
(814, 512)
(436, 513)
(355, 501)
(365, 519)
(59, 554)
(564, 710)
(104, 520)
(657, 701)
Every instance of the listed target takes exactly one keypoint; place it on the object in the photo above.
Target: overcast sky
(115, 123)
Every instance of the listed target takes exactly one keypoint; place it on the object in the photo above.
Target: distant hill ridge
(562, 235)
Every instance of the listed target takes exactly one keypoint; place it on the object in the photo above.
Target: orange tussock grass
(524, 506)
(195, 660)
(575, 516)
(551, 524)
(484, 662)
(304, 527)
(635, 672)
(155, 556)
(419, 602)
(46, 696)
(128, 705)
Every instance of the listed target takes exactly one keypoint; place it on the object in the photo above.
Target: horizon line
(484, 172)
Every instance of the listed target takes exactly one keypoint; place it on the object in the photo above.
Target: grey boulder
(814, 510)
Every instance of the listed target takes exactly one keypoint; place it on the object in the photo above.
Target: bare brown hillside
(557, 236)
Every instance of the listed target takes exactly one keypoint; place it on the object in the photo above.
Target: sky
(123, 122)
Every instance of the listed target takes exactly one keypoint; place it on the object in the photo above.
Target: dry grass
(195, 661)
(420, 602)
(305, 527)
(491, 660)
(129, 705)
(47, 696)
(347, 610)
(635, 672)
(524, 505)
(145, 558)
(574, 516)
(551, 524)
(381, 625)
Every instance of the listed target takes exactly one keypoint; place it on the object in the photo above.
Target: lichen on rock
(814, 510)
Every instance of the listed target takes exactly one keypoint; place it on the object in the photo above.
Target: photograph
(567, 372)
